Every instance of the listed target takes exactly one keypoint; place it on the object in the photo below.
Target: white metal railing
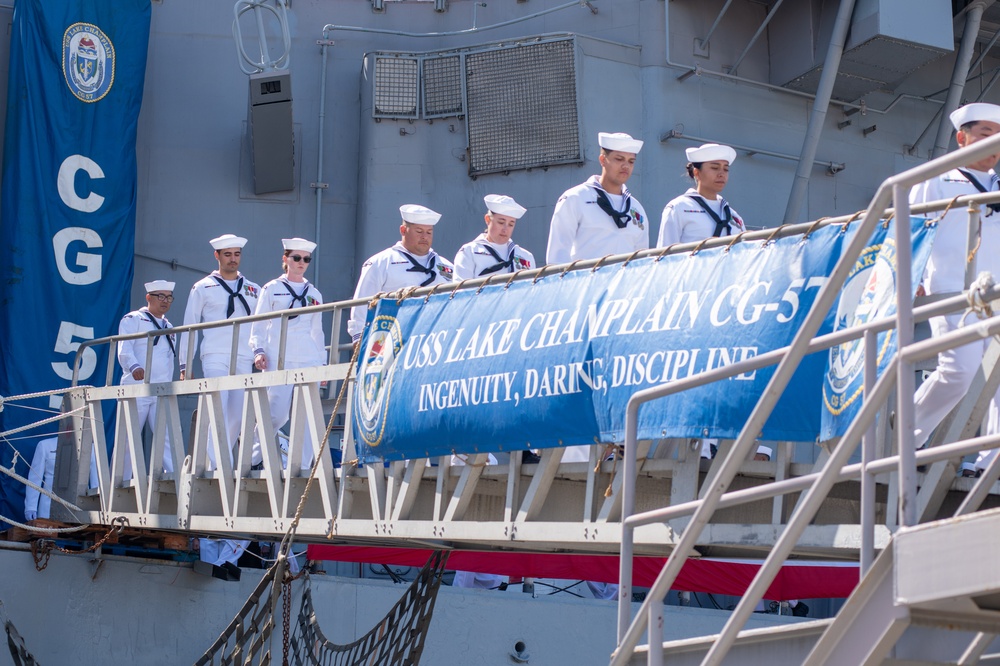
(900, 374)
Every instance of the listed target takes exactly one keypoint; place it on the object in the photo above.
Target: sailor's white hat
(226, 241)
(619, 141)
(971, 113)
(159, 285)
(416, 214)
(504, 205)
(710, 152)
(968, 467)
(300, 244)
(766, 450)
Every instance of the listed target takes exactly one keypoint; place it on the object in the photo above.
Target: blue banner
(67, 217)
(553, 362)
(869, 294)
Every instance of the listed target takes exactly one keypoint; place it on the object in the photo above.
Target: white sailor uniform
(214, 299)
(581, 229)
(945, 273)
(132, 355)
(305, 346)
(481, 258)
(43, 469)
(395, 268)
(690, 218)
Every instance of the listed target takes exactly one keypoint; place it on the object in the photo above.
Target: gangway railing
(900, 372)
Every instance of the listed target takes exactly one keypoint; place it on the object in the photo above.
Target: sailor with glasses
(305, 343)
(600, 217)
(411, 262)
(132, 357)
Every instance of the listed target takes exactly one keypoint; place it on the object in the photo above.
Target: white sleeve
(562, 231)
(370, 283)
(316, 332)
(192, 315)
(35, 475)
(465, 264)
(530, 258)
(260, 329)
(670, 226)
(924, 192)
(126, 348)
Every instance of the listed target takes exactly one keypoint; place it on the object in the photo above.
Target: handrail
(896, 186)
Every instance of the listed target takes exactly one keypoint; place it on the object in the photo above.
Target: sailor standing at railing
(945, 271)
(493, 252)
(702, 213)
(304, 342)
(132, 357)
(600, 217)
(224, 294)
(411, 262)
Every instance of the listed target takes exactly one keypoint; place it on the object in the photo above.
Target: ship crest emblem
(375, 373)
(869, 294)
(88, 62)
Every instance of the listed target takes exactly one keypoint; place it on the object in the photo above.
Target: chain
(41, 549)
(286, 615)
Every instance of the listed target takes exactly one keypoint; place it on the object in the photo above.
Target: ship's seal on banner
(868, 294)
(378, 365)
(88, 62)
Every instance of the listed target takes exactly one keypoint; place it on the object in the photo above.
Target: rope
(975, 296)
(36, 424)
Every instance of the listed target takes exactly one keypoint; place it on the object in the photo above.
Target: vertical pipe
(867, 455)
(962, 62)
(905, 379)
(655, 632)
(319, 162)
(827, 79)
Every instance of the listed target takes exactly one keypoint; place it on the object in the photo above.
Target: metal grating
(522, 107)
(442, 86)
(395, 89)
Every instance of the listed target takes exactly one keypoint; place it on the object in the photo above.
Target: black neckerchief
(720, 223)
(417, 267)
(296, 298)
(233, 295)
(152, 320)
(994, 207)
(621, 219)
(501, 264)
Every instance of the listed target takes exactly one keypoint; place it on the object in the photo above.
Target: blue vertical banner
(67, 214)
(868, 294)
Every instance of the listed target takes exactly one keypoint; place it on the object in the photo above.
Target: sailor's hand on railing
(182, 375)
(138, 374)
(260, 362)
(920, 291)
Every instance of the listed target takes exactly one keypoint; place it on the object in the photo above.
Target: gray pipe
(800, 186)
(958, 75)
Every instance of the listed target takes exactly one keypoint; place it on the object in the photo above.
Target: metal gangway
(662, 500)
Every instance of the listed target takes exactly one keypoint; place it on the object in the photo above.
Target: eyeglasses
(163, 298)
(297, 257)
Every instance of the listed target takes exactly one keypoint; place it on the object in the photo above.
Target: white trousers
(949, 383)
(146, 408)
(279, 400)
(232, 401)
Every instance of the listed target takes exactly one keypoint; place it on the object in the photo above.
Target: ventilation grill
(396, 84)
(522, 108)
(442, 86)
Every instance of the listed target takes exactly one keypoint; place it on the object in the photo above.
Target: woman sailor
(701, 212)
(493, 251)
(304, 339)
